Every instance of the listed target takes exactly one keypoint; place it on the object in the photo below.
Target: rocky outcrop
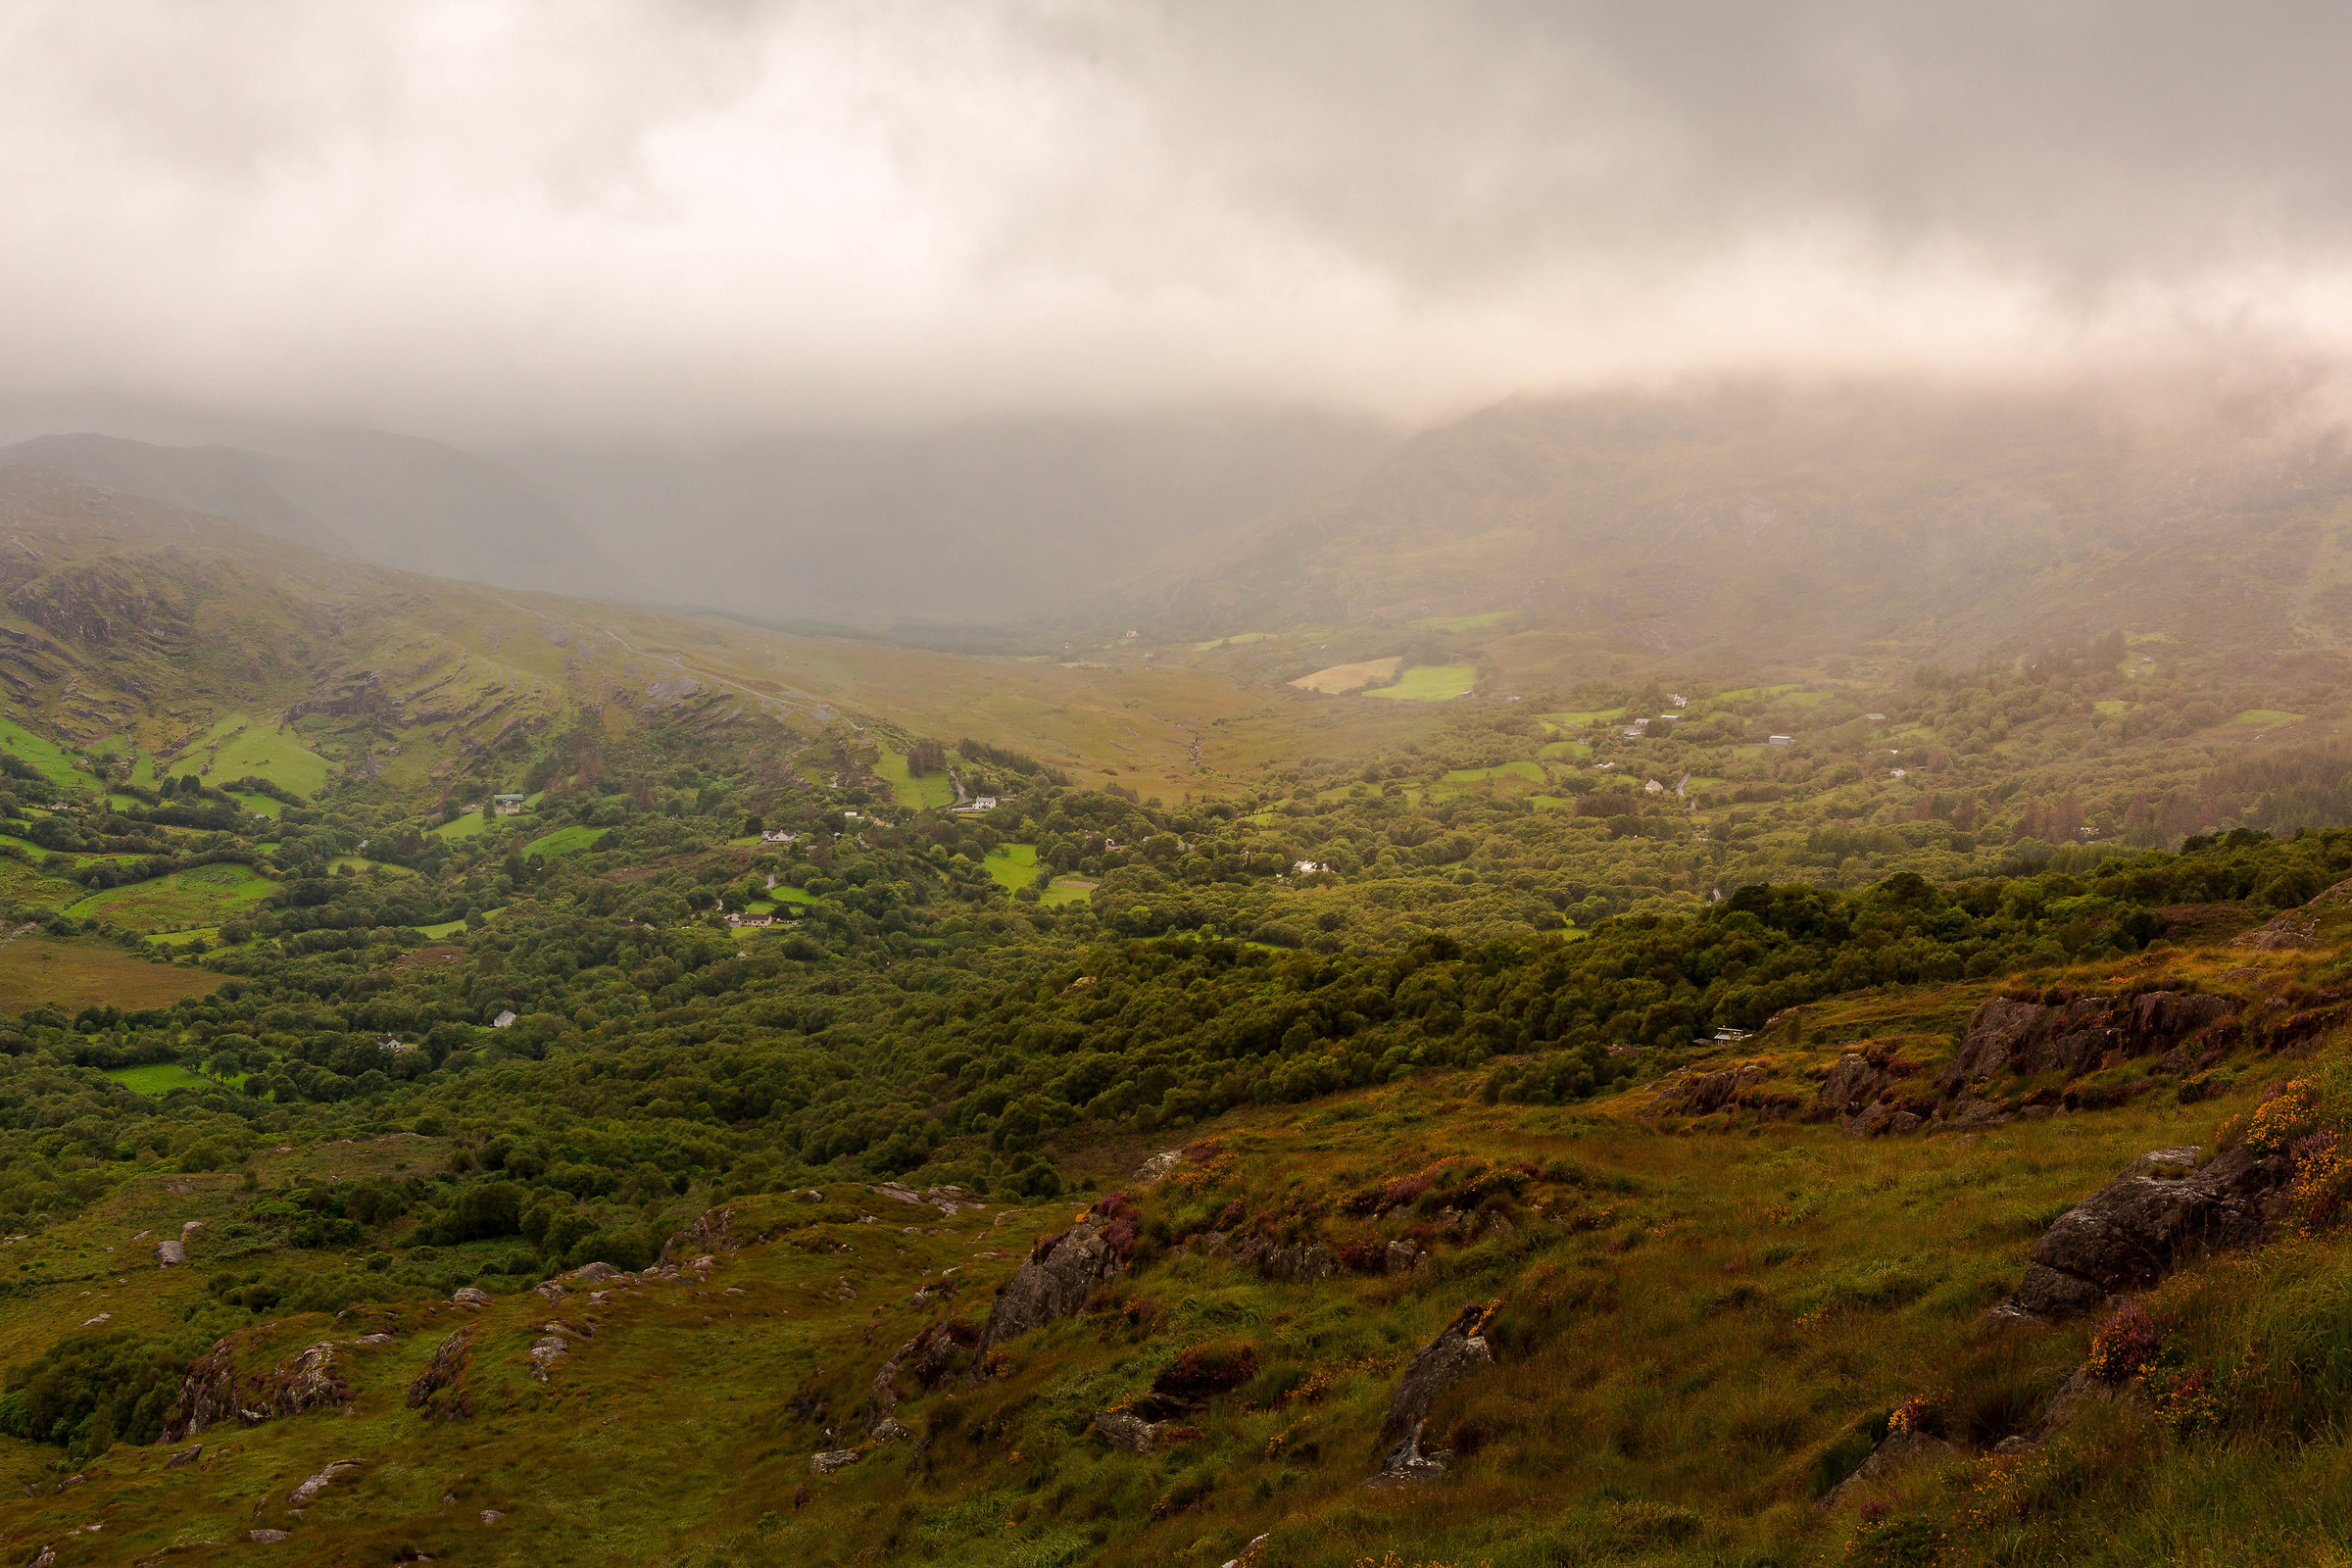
(1850, 1086)
(1456, 1351)
(1049, 1288)
(470, 1296)
(211, 1392)
(713, 1231)
(1123, 1429)
(1701, 1095)
(2014, 1038)
(2128, 1235)
(439, 1391)
(832, 1459)
(1899, 1452)
(1299, 1262)
(2298, 927)
(301, 1494)
(2077, 1394)
(926, 1358)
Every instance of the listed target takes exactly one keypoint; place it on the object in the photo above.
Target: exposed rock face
(1299, 1263)
(1901, 1451)
(168, 1253)
(1446, 1360)
(1851, 1084)
(211, 1393)
(925, 1359)
(2298, 927)
(1123, 1430)
(1881, 1118)
(1157, 1167)
(1707, 1093)
(468, 1295)
(1049, 1289)
(301, 1494)
(712, 1232)
(594, 1273)
(439, 1391)
(2079, 1394)
(187, 1455)
(824, 1464)
(2022, 1038)
(2127, 1234)
(1401, 1256)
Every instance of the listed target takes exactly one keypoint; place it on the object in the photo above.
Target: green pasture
(1013, 865)
(1064, 891)
(916, 794)
(203, 895)
(1752, 693)
(1462, 623)
(1595, 716)
(1531, 771)
(1428, 683)
(464, 827)
(781, 894)
(269, 805)
(2266, 717)
(58, 766)
(2111, 707)
(565, 841)
(1239, 639)
(180, 939)
(1559, 750)
(240, 746)
(160, 1078)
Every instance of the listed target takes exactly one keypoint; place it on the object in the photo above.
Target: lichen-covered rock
(212, 1392)
(301, 1494)
(824, 1464)
(2022, 1038)
(1122, 1429)
(1400, 1257)
(925, 1359)
(440, 1391)
(594, 1273)
(169, 1254)
(1851, 1084)
(1050, 1287)
(2128, 1235)
(468, 1295)
(1446, 1360)
(1301, 1263)
(713, 1231)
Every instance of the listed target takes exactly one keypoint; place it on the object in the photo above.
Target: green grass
(240, 746)
(1533, 772)
(916, 794)
(2266, 717)
(565, 841)
(203, 895)
(2111, 707)
(1463, 622)
(58, 766)
(1749, 693)
(180, 939)
(1013, 865)
(269, 805)
(464, 827)
(1559, 750)
(160, 1078)
(1239, 639)
(1059, 893)
(1428, 683)
(1579, 720)
(781, 894)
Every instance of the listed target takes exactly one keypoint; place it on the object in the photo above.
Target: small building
(1678, 699)
(1780, 740)
(1876, 719)
(504, 1020)
(507, 805)
(393, 1043)
(1903, 772)
(750, 922)
(779, 835)
(1653, 787)
(1309, 868)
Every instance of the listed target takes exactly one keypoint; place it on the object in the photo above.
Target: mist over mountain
(980, 521)
(416, 505)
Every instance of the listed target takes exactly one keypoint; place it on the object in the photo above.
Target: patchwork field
(203, 895)
(1428, 683)
(160, 1078)
(1340, 679)
(57, 765)
(913, 792)
(240, 746)
(35, 971)
(565, 841)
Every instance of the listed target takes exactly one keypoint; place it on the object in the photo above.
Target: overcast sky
(487, 220)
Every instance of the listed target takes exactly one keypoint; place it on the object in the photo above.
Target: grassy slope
(204, 895)
(1692, 1314)
(71, 975)
(240, 746)
(565, 841)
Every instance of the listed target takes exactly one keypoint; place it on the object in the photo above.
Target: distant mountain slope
(1755, 524)
(415, 505)
(987, 521)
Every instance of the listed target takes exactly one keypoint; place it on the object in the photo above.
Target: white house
(1780, 740)
(1653, 787)
(779, 835)
(1309, 868)
(507, 805)
(504, 1020)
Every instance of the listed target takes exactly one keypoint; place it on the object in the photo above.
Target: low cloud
(491, 221)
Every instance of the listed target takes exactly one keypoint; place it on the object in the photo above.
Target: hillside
(417, 506)
(1766, 523)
